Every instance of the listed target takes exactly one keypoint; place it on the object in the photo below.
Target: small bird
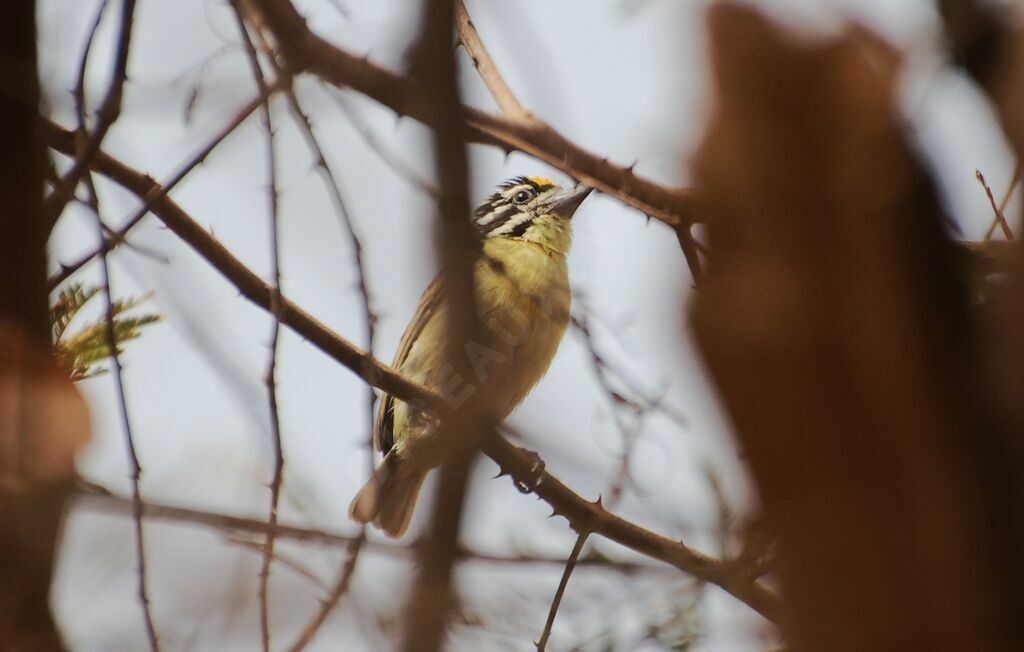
(522, 302)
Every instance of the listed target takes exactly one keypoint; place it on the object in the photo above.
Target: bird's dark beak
(565, 203)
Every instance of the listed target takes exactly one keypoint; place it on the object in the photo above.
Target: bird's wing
(430, 302)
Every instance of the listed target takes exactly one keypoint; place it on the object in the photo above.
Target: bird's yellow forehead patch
(542, 181)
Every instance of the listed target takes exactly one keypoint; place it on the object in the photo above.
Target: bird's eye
(522, 196)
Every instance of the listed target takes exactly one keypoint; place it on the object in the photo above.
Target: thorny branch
(343, 581)
(106, 115)
(999, 214)
(118, 236)
(488, 71)
(270, 379)
(514, 111)
(345, 573)
(570, 565)
(133, 457)
(582, 514)
(340, 588)
(639, 408)
(307, 52)
(83, 67)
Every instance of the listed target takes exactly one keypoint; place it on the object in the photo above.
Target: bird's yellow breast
(523, 303)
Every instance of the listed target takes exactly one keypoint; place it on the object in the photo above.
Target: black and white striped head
(526, 204)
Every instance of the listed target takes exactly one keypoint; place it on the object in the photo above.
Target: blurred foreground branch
(433, 596)
(836, 320)
(43, 420)
(101, 499)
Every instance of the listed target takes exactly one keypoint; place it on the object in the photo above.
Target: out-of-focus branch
(570, 565)
(106, 115)
(978, 36)
(582, 514)
(115, 238)
(390, 158)
(433, 596)
(845, 359)
(339, 588)
(343, 581)
(270, 378)
(42, 418)
(639, 407)
(97, 497)
(134, 467)
(990, 257)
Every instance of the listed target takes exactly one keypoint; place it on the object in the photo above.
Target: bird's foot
(534, 477)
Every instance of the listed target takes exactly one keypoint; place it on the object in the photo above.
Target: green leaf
(79, 352)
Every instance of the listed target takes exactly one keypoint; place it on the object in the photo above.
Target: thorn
(629, 168)
(599, 502)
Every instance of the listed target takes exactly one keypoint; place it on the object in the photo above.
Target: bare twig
(340, 588)
(627, 432)
(270, 379)
(106, 115)
(288, 562)
(83, 67)
(642, 399)
(582, 514)
(343, 581)
(161, 190)
(99, 497)
(570, 565)
(999, 218)
(390, 158)
(351, 232)
(133, 459)
(639, 407)
(488, 71)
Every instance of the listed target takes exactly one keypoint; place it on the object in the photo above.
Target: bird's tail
(389, 496)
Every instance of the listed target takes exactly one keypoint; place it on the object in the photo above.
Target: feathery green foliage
(80, 351)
